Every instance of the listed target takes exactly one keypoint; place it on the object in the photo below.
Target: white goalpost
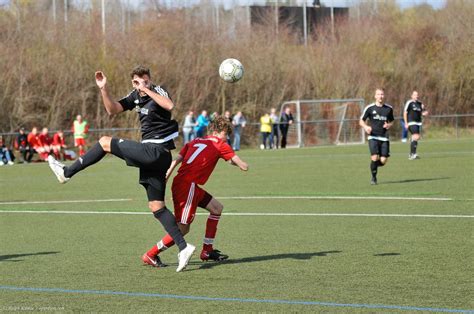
(325, 122)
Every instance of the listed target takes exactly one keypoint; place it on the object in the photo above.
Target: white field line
(67, 202)
(336, 198)
(245, 198)
(238, 214)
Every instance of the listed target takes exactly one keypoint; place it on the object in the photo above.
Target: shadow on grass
(414, 180)
(387, 254)
(12, 257)
(251, 259)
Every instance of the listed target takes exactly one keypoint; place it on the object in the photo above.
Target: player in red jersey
(58, 145)
(198, 159)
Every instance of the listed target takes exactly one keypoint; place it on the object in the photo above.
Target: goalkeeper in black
(412, 114)
(381, 119)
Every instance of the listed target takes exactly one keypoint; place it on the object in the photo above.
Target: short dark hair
(139, 71)
(220, 124)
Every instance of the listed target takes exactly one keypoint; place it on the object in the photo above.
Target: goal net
(325, 122)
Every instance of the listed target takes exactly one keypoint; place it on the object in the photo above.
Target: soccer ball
(231, 70)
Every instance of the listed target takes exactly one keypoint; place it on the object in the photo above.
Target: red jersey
(33, 140)
(58, 140)
(44, 139)
(200, 157)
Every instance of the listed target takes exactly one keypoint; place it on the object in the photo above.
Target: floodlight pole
(103, 16)
(332, 18)
(54, 11)
(305, 27)
(65, 12)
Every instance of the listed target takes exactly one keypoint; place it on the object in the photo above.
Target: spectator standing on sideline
(26, 151)
(80, 129)
(188, 127)
(152, 156)
(202, 123)
(239, 123)
(265, 130)
(228, 118)
(285, 122)
(404, 129)
(274, 135)
(214, 115)
(58, 145)
(413, 115)
(5, 157)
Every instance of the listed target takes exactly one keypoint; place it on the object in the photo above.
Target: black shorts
(414, 129)
(152, 159)
(381, 148)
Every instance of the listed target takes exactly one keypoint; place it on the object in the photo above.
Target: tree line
(48, 65)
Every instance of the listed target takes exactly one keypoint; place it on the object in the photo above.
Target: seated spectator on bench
(22, 145)
(45, 142)
(6, 158)
(58, 145)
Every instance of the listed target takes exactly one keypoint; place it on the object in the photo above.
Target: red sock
(44, 156)
(81, 152)
(153, 251)
(161, 246)
(211, 230)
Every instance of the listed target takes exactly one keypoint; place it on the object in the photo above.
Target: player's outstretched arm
(236, 161)
(112, 107)
(173, 165)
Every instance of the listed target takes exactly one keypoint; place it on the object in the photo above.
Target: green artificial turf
(276, 261)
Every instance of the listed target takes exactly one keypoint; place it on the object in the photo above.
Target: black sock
(166, 218)
(379, 163)
(92, 156)
(413, 146)
(373, 168)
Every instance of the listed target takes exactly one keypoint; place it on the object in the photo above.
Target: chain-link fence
(452, 127)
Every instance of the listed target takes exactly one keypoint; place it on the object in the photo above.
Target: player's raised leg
(94, 155)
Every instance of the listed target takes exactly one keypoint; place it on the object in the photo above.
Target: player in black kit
(381, 119)
(412, 114)
(152, 155)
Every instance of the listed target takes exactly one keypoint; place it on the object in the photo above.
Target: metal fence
(453, 127)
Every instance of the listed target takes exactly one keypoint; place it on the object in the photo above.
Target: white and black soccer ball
(231, 70)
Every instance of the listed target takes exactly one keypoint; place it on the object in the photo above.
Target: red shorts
(187, 196)
(79, 142)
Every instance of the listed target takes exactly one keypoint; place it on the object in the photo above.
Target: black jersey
(378, 115)
(156, 123)
(414, 110)
(22, 140)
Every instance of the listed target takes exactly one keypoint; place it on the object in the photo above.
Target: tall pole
(216, 7)
(103, 17)
(54, 11)
(305, 27)
(277, 22)
(65, 11)
(332, 18)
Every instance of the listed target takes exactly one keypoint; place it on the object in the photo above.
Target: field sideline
(304, 229)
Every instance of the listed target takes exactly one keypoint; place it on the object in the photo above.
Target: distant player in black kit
(412, 114)
(152, 156)
(381, 119)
